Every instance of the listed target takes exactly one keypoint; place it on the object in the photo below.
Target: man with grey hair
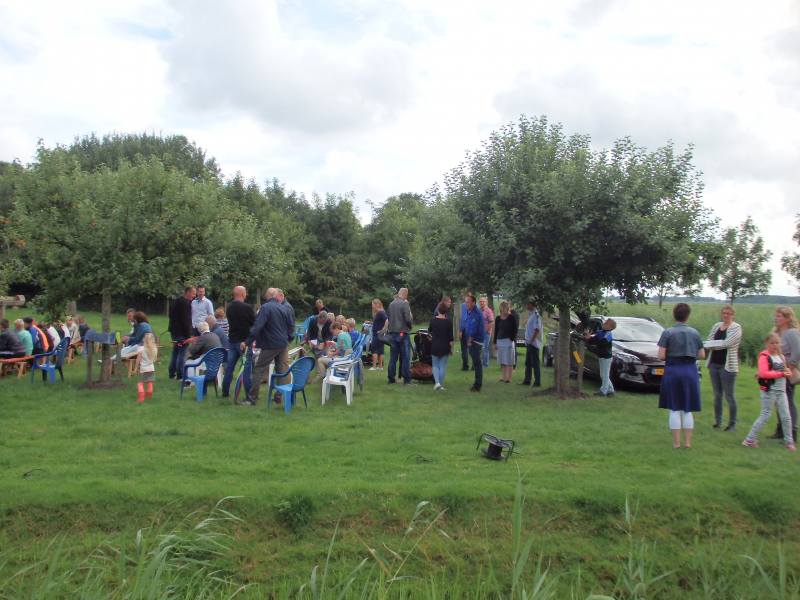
(215, 327)
(271, 333)
(204, 342)
(400, 337)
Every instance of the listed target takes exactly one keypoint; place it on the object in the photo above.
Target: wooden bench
(20, 364)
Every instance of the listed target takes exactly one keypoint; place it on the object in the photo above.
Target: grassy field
(90, 467)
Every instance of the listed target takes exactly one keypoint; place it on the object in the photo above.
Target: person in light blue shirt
(533, 343)
(475, 334)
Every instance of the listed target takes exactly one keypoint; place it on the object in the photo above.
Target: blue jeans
(177, 358)
(234, 355)
(400, 346)
(605, 380)
(476, 352)
(486, 355)
(439, 364)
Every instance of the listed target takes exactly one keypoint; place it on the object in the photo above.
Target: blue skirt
(680, 386)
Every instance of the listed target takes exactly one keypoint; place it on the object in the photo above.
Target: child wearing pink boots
(147, 371)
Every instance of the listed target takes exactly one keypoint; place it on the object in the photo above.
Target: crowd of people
(680, 347)
(263, 337)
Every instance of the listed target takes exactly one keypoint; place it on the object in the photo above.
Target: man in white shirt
(201, 308)
(533, 342)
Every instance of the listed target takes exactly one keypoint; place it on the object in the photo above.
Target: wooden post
(89, 360)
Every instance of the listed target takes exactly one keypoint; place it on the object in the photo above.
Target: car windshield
(637, 331)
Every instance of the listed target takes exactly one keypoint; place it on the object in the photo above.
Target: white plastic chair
(341, 373)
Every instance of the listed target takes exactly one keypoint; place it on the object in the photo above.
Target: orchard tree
(563, 222)
(387, 242)
(790, 261)
(741, 272)
(140, 228)
(114, 148)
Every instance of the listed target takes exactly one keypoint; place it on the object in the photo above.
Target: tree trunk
(258, 297)
(561, 381)
(166, 306)
(456, 324)
(105, 368)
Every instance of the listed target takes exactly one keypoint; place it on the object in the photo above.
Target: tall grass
(182, 561)
(195, 561)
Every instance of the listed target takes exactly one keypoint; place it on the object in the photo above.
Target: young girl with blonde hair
(772, 374)
(147, 371)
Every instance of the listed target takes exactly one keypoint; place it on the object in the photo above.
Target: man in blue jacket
(461, 325)
(475, 334)
(272, 332)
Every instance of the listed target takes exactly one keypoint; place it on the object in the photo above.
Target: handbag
(421, 371)
(794, 379)
(383, 336)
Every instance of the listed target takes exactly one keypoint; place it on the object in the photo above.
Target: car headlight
(628, 358)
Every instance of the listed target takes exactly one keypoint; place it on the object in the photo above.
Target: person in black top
(180, 328)
(440, 332)
(602, 341)
(319, 307)
(379, 319)
(318, 332)
(240, 319)
(505, 336)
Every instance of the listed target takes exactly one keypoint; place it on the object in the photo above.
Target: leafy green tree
(334, 269)
(563, 222)
(741, 272)
(790, 261)
(13, 256)
(274, 243)
(140, 228)
(113, 148)
(387, 241)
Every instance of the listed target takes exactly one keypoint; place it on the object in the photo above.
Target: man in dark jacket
(271, 333)
(400, 337)
(180, 328)
(241, 317)
(10, 344)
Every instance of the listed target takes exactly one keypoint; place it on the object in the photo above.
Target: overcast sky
(380, 98)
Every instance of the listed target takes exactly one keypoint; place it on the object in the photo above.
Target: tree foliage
(741, 272)
(561, 222)
(114, 148)
(790, 261)
(141, 227)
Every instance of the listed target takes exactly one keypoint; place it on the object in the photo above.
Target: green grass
(93, 467)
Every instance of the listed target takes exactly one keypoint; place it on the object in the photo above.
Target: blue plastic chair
(299, 370)
(212, 360)
(60, 352)
(300, 330)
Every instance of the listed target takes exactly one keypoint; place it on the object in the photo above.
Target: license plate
(658, 371)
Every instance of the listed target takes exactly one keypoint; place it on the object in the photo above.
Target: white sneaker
(441, 388)
(372, 369)
(437, 386)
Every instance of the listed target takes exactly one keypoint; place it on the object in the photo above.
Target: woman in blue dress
(680, 347)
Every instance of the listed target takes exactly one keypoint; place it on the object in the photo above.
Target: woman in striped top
(723, 365)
